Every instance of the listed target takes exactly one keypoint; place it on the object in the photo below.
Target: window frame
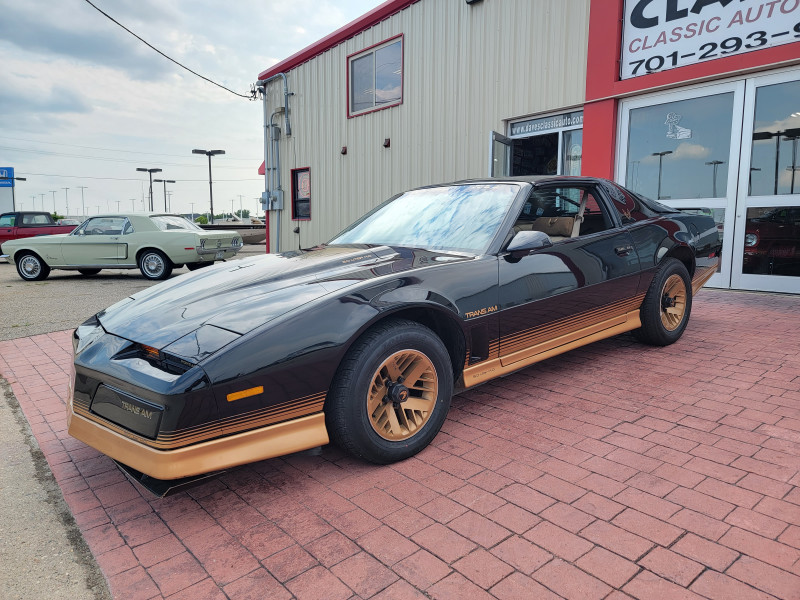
(371, 50)
(294, 193)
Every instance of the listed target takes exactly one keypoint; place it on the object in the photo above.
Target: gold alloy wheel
(402, 395)
(673, 302)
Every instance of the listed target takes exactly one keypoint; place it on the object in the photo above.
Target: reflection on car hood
(241, 295)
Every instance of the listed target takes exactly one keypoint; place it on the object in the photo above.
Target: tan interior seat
(557, 228)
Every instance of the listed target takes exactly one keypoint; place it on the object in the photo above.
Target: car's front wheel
(32, 268)
(154, 265)
(392, 392)
(667, 305)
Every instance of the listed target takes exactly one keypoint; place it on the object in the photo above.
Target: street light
(13, 197)
(660, 156)
(66, 197)
(165, 182)
(83, 206)
(209, 154)
(789, 134)
(151, 171)
(715, 164)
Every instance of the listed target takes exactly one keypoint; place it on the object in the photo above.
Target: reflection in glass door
(767, 254)
(679, 148)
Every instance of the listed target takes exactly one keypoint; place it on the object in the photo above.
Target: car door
(583, 284)
(7, 223)
(98, 242)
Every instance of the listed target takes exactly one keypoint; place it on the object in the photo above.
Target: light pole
(83, 206)
(54, 200)
(715, 164)
(66, 197)
(150, 171)
(192, 205)
(13, 197)
(209, 154)
(33, 199)
(660, 156)
(54, 203)
(165, 182)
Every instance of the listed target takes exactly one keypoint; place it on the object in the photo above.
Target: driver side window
(563, 212)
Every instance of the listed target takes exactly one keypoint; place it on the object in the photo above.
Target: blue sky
(83, 103)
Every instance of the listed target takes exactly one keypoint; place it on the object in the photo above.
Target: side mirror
(525, 241)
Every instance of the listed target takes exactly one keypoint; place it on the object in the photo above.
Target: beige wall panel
(467, 70)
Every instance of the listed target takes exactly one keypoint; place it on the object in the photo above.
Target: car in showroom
(153, 243)
(364, 340)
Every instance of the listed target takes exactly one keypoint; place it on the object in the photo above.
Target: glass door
(499, 156)
(766, 252)
(678, 148)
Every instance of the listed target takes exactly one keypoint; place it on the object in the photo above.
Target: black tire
(408, 348)
(667, 305)
(89, 271)
(200, 265)
(32, 268)
(154, 265)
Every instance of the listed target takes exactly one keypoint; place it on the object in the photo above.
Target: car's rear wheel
(32, 268)
(88, 271)
(667, 305)
(392, 392)
(154, 265)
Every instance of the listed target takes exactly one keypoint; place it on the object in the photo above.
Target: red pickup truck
(15, 225)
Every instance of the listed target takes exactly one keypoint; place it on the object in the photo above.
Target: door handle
(623, 250)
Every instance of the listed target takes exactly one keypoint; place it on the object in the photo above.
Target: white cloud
(75, 84)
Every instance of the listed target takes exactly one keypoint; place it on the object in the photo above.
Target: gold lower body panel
(205, 457)
(482, 372)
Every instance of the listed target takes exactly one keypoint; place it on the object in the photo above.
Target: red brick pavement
(613, 471)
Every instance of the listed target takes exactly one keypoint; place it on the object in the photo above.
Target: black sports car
(365, 339)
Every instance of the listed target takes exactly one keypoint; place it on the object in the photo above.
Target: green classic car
(153, 243)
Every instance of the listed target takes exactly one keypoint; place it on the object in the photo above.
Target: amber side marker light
(246, 393)
(151, 352)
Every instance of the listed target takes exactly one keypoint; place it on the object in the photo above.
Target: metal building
(693, 102)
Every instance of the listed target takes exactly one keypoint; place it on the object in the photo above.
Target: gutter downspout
(261, 85)
(275, 156)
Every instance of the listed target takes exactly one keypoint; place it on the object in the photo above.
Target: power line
(251, 96)
(125, 178)
(105, 159)
(227, 159)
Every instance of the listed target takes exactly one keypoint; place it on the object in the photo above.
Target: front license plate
(219, 255)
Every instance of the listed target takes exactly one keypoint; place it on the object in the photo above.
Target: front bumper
(213, 455)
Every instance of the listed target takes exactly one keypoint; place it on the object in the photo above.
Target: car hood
(239, 296)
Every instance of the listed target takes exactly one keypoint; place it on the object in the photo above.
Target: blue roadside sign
(6, 176)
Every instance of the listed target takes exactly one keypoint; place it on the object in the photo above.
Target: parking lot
(616, 470)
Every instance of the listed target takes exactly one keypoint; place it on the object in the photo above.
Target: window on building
(301, 194)
(376, 77)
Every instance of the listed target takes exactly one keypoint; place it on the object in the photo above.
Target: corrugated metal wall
(468, 69)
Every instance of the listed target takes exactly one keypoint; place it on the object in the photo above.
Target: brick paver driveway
(615, 469)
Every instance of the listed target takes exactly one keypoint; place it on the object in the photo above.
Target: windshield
(170, 222)
(462, 218)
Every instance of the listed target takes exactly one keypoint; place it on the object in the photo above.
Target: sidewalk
(612, 471)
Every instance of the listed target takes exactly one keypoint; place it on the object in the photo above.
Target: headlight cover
(750, 239)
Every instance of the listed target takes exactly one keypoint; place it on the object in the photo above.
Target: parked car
(364, 339)
(772, 242)
(24, 224)
(153, 243)
(74, 222)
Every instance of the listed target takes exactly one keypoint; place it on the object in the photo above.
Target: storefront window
(571, 152)
(772, 241)
(774, 162)
(547, 145)
(680, 149)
